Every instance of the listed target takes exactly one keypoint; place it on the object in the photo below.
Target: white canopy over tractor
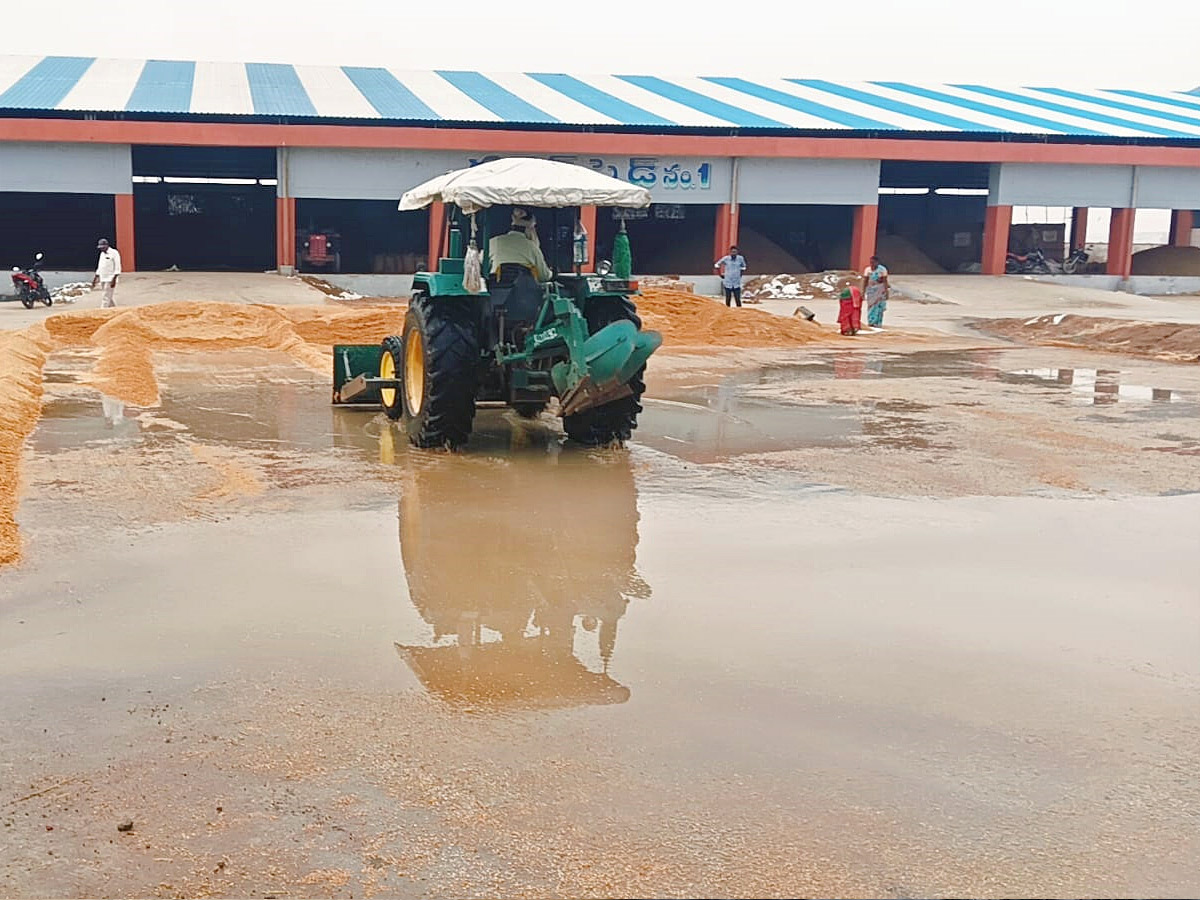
(520, 181)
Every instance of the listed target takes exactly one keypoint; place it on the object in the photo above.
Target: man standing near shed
(108, 270)
(731, 267)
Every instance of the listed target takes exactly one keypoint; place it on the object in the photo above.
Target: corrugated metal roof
(793, 104)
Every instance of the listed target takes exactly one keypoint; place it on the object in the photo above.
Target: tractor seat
(517, 291)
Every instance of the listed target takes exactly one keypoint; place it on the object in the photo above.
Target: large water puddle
(529, 645)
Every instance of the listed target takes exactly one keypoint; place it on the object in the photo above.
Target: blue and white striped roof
(84, 84)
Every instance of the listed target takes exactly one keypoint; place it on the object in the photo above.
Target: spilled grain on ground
(127, 340)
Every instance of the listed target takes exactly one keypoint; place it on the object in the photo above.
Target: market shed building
(237, 166)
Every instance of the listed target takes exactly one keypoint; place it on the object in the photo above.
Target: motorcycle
(1035, 263)
(1075, 261)
(29, 284)
(1032, 263)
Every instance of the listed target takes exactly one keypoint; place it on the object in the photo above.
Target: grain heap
(690, 322)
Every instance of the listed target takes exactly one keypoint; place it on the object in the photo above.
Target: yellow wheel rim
(387, 369)
(414, 372)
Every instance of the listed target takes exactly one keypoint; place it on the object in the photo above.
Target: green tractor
(475, 335)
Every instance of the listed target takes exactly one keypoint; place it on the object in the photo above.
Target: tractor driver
(518, 247)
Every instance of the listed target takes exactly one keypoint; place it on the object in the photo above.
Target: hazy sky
(1098, 44)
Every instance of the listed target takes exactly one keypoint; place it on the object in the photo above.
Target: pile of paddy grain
(128, 338)
(804, 288)
(1170, 341)
(692, 255)
(902, 257)
(690, 322)
(1167, 261)
(21, 359)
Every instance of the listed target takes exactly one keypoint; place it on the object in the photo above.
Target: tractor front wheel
(610, 424)
(391, 364)
(439, 372)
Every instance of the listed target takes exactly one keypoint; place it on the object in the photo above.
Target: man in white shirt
(108, 270)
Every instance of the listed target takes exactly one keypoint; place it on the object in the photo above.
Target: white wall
(842, 182)
(386, 174)
(66, 168)
(1021, 184)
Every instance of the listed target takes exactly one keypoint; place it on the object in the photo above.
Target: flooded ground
(853, 623)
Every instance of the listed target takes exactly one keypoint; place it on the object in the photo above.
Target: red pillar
(862, 240)
(437, 229)
(726, 232)
(1120, 243)
(587, 218)
(1079, 217)
(1181, 228)
(123, 208)
(285, 232)
(996, 224)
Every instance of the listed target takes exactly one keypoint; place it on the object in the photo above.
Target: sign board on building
(678, 180)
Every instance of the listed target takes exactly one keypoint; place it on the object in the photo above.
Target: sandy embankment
(1168, 341)
(21, 361)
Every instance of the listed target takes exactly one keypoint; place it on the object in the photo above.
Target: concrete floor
(947, 302)
(141, 288)
(870, 621)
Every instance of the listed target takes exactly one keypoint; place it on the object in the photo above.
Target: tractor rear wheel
(440, 370)
(610, 423)
(391, 364)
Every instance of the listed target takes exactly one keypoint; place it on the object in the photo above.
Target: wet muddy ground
(848, 623)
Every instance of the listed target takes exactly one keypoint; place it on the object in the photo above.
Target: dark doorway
(205, 208)
(370, 235)
(818, 237)
(931, 216)
(666, 239)
(64, 227)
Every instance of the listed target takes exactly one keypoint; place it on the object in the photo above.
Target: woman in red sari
(850, 312)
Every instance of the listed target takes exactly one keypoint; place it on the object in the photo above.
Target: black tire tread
(449, 330)
(394, 345)
(610, 424)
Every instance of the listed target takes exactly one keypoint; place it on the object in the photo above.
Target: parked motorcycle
(29, 284)
(1032, 263)
(1035, 263)
(1075, 262)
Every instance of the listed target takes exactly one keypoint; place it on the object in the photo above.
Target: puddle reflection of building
(1103, 385)
(518, 564)
(1107, 387)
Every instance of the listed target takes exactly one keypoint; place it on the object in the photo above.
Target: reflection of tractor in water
(556, 545)
(478, 332)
